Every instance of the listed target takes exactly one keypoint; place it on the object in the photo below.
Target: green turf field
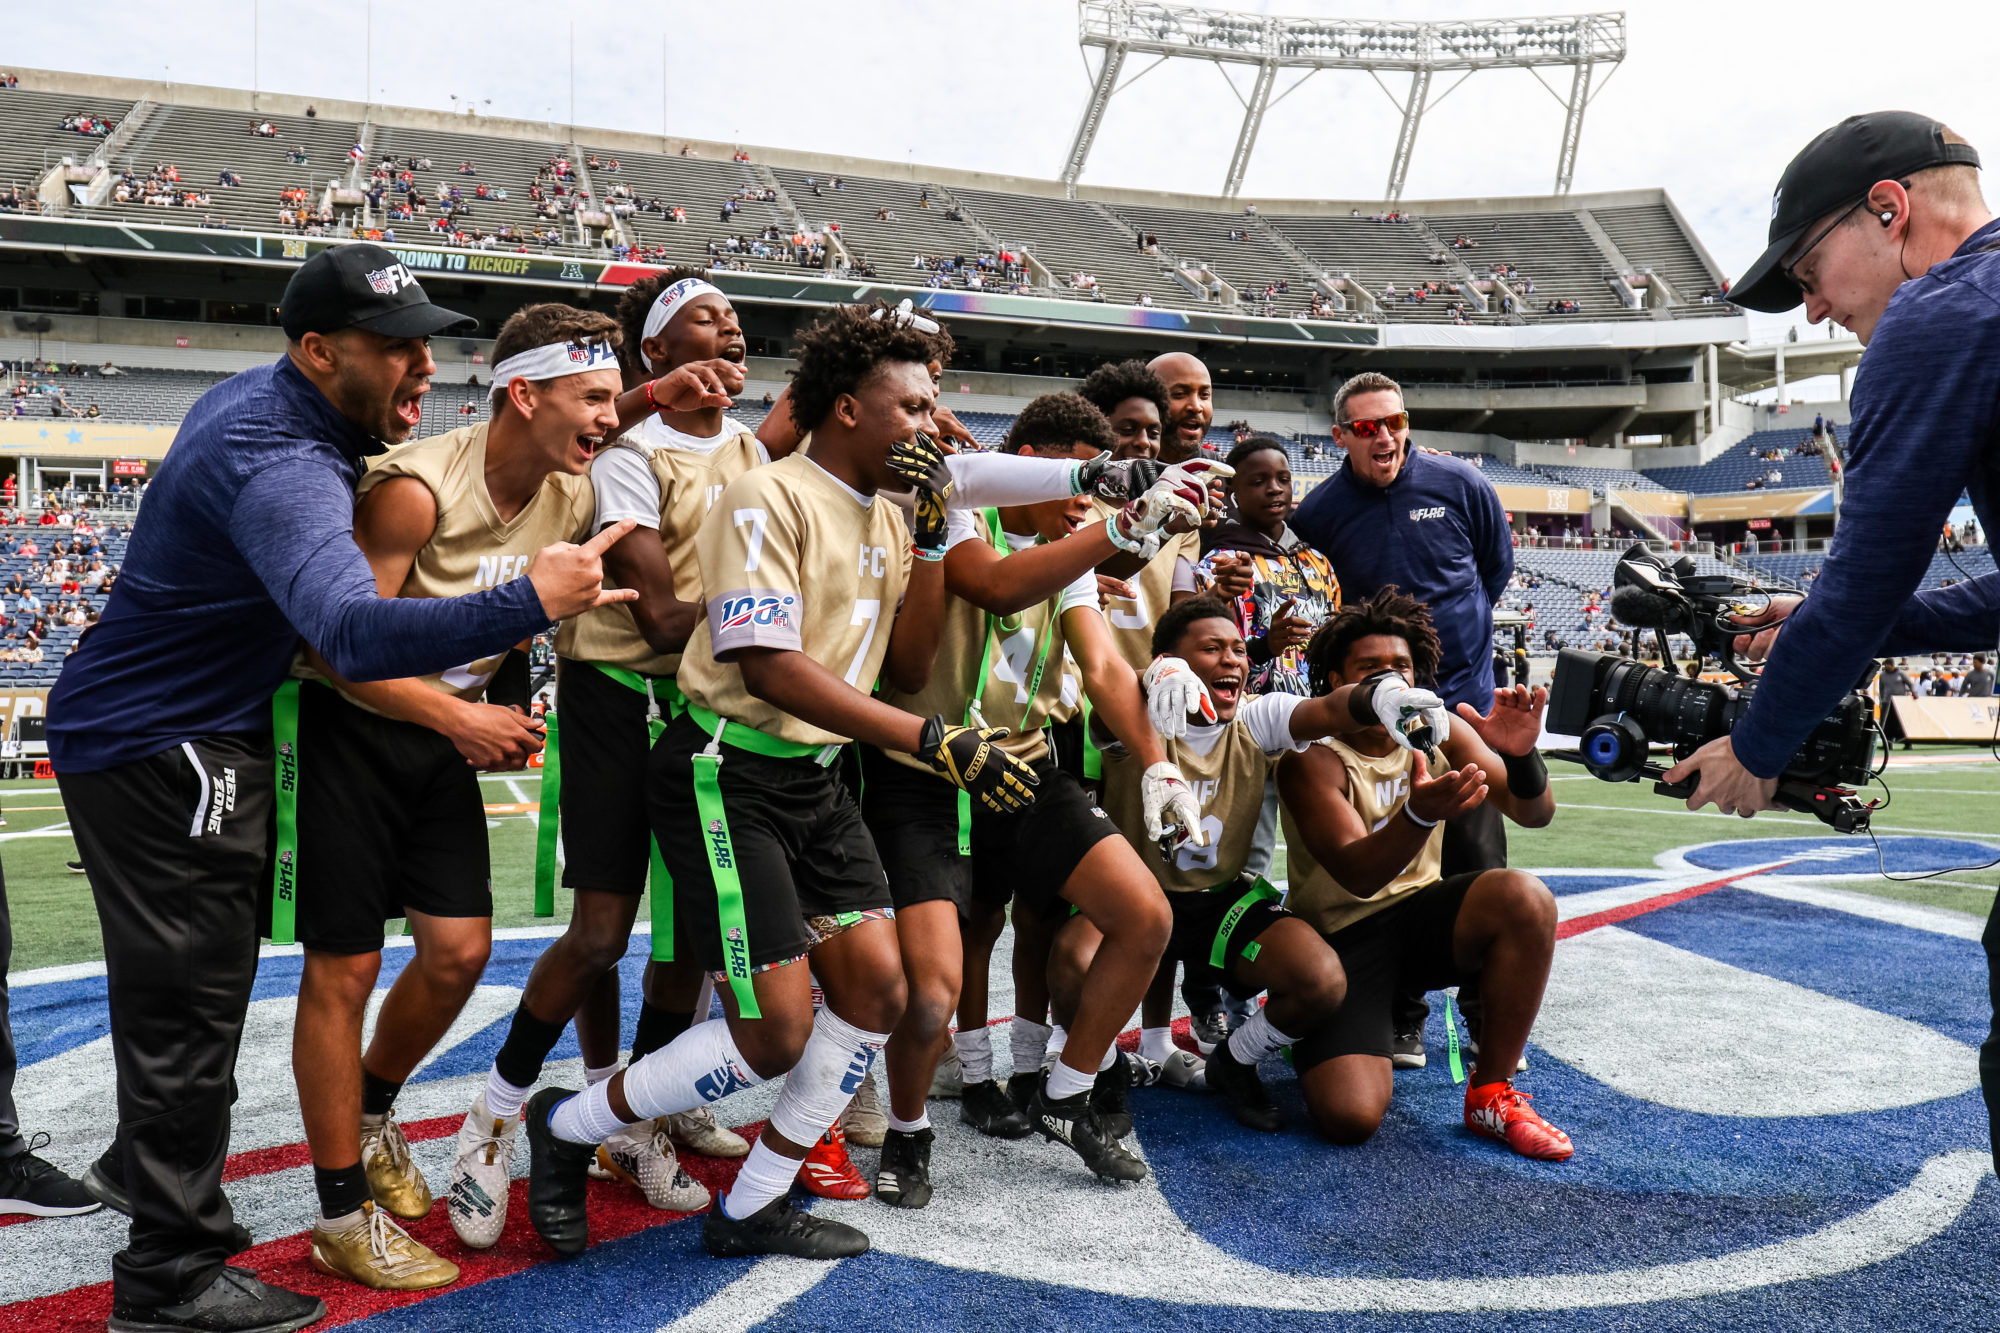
(1598, 824)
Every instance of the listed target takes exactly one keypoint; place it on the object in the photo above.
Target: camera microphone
(1641, 608)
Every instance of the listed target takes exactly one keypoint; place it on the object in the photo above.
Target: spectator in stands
(228, 178)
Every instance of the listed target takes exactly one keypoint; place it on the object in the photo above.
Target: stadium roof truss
(1269, 43)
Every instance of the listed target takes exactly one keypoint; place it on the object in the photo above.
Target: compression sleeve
(989, 481)
(294, 524)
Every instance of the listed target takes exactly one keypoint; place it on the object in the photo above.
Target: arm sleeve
(1269, 717)
(625, 488)
(750, 560)
(985, 481)
(294, 524)
(1184, 575)
(1492, 540)
(1923, 413)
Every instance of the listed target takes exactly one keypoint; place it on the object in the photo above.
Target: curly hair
(1059, 421)
(1174, 621)
(634, 304)
(1389, 611)
(839, 351)
(1115, 381)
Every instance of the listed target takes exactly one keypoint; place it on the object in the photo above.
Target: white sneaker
(863, 1120)
(698, 1132)
(949, 1081)
(481, 1171)
(643, 1155)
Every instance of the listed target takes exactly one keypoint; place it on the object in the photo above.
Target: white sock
(503, 1099)
(830, 1071)
(1058, 1038)
(701, 1065)
(910, 1126)
(1110, 1055)
(975, 1053)
(1157, 1044)
(596, 1074)
(765, 1176)
(586, 1117)
(1257, 1040)
(1067, 1082)
(1029, 1041)
(333, 1226)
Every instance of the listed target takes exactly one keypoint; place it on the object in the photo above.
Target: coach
(160, 728)
(1879, 225)
(1432, 525)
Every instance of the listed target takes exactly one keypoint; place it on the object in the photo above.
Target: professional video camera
(1621, 707)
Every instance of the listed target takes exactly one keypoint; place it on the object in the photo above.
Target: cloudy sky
(1714, 99)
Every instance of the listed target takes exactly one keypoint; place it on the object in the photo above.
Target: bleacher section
(1249, 263)
(889, 245)
(1070, 236)
(1599, 479)
(508, 163)
(151, 396)
(31, 137)
(1567, 580)
(202, 144)
(1552, 249)
(1647, 235)
(56, 643)
(1971, 563)
(698, 185)
(1374, 254)
(1728, 471)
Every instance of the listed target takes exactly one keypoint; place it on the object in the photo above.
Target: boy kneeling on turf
(1225, 745)
(1362, 819)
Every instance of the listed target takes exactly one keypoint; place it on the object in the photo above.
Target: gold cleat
(378, 1253)
(393, 1178)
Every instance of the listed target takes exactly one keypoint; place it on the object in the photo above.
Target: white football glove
(1179, 498)
(1408, 711)
(1173, 816)
(1172, 692)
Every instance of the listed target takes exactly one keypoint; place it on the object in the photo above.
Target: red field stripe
(1611, 916)
(263, 1161)
(616, 1211)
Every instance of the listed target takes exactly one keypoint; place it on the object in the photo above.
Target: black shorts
(805, 861)
(914, 817)
(1210, 930)
(1405, 947)
(390, 820)
(601, 729)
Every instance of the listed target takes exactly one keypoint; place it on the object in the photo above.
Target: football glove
(971, 759)
(1172, 692)
(1173, 816)
(1416, 718)
(922, 462)
(1118, 481)
(1177, 501)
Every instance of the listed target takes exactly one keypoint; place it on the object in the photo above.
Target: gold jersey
(1377, 787)
(472, 547)
(792, 558)
(1014, 666)
(689, 481)
(1132, 618)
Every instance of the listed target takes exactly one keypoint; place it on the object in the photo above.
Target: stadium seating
(887, 245)
(1374, 254)
(1551, 249)
(202, 143)
(133, 395)
(60, 638)
(1647, 235)
(1599, 479)
(1728, 471)
(1071, 236)
(1567, 579)
(1250, 263)
(1793, 566)
(699, 185)
(31, 137)
(509, 163)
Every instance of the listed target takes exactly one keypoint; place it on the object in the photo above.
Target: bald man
(1190, 404)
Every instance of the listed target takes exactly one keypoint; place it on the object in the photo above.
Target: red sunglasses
(1365, 428)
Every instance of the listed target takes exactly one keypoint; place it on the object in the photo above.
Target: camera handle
(1837, 807)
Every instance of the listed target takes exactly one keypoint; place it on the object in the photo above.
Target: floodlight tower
(1269, 43)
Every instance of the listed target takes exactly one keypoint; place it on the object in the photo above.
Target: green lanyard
(999, 540)
(285, 865)
(548, 819)
(722, 863)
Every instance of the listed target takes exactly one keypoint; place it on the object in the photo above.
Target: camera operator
(1879, 225)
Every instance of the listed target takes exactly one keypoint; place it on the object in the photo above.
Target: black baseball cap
(361, 286)
(1836, 171)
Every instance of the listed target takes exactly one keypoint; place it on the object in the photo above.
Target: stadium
(1762, 1037)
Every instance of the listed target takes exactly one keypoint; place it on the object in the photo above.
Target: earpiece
(1888, 216)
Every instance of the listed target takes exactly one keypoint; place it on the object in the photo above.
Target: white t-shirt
(1269, 718)
(624, 481)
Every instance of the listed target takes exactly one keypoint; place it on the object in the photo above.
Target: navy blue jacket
(1926, 427)
(1439, 533)
(244, 545)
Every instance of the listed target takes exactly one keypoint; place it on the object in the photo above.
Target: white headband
(671, 298)
(552, 362)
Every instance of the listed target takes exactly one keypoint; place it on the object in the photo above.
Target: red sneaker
(1501, 1111)
(829, 1172)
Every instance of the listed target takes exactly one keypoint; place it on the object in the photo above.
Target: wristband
(651, 401)
(1361, 703)
(1527, 775)
(927, 554)
(1416, 818)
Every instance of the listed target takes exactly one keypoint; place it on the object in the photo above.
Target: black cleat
(1110, 1095)
(1243, 1092)
(235, 1302)
(1072, 1121)
(556, 1178)
(780, 1228)
(105, 1182)
(33, 1187)
(992, 1112)
(904, 1179)
(1021, 1091)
